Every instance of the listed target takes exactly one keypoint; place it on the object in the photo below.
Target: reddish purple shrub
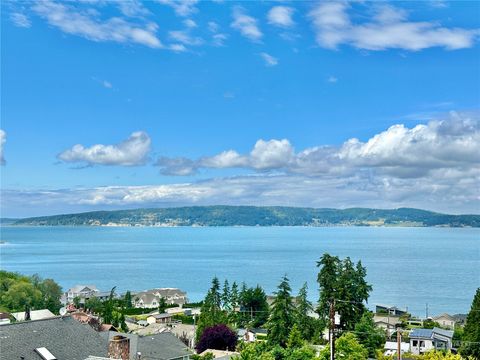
(219, 337)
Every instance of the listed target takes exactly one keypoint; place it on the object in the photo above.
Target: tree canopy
(471, 332)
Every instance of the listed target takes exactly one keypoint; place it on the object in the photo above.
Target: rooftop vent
(45, 354)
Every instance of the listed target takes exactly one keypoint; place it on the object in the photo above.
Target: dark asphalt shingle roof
(64, 337)
(164, 346)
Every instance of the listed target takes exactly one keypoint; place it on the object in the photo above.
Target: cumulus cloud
(132, 151)
(389, 28)
(246, 24)
(20, 20)
(269, 59)
(281, 16)
(181, 7)
(3, 140)
(88, 24)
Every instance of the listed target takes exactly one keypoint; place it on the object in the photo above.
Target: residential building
(160, 319)
(34, 315)
(151, 298)
(389, 309)
(386, 322)
(81, 291)
(424, 340)
(445, 320)
(62, 337)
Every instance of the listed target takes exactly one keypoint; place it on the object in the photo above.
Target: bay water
(407, 267)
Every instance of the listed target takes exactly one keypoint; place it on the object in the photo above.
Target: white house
(424, 340)
(80, 291)
(445, 320)
(151, 298)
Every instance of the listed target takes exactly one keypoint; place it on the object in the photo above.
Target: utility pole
(426, 311)
(332, 329)
(399, 344)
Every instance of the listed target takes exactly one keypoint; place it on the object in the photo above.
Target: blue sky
(109, 105)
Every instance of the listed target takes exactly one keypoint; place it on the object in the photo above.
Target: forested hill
(256, 216)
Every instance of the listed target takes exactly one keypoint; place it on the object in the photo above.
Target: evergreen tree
(162, 305)
(471, 332)
(211, 313)
(369, 335)
(344, 282)
(226, 296)
(254, 307)
(295, 339)
(327, 280)
(346, 347)
(282, 316)
(128, 300)
(234, 315)
(304, 307)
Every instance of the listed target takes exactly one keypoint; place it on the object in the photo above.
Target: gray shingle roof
(64, 337)
(164, 346)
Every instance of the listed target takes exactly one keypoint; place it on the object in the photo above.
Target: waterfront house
(160, 319)
(424, 340)
(34, 315)
(445, 320)
(55, 338)
(151, 298)
(82, 292)
(389, 309)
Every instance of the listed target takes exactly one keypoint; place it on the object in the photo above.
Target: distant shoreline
(219, 215)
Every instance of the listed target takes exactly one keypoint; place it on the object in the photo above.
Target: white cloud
(246, 24)
(132, 8)
(332, 79)
(3, 140)
(218, 39)
(184, 37)
(181, 7)
(281, 16)
(87, 24)
(20, 20)
(388, 29)
(132, 151)
(189, 23)
(107, 84)
(269, 59)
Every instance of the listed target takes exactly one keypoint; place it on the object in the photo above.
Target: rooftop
(64, 337)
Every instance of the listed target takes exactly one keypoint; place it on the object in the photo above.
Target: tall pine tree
(282, 315)
(471, 332)
(304, 322)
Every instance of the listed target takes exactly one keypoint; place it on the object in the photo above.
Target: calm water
(406, 266)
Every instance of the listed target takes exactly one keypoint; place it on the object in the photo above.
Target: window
(415, 342)
(422, 343)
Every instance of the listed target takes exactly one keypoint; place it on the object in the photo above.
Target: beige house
(445, 320)
(160, 319)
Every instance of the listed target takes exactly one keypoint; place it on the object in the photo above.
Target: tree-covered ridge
(257, 216)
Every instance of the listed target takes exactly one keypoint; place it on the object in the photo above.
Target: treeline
(23, 293)
(257, 216)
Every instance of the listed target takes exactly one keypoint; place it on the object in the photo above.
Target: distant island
(255, 216)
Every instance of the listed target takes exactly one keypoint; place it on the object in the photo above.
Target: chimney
(119, 348)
